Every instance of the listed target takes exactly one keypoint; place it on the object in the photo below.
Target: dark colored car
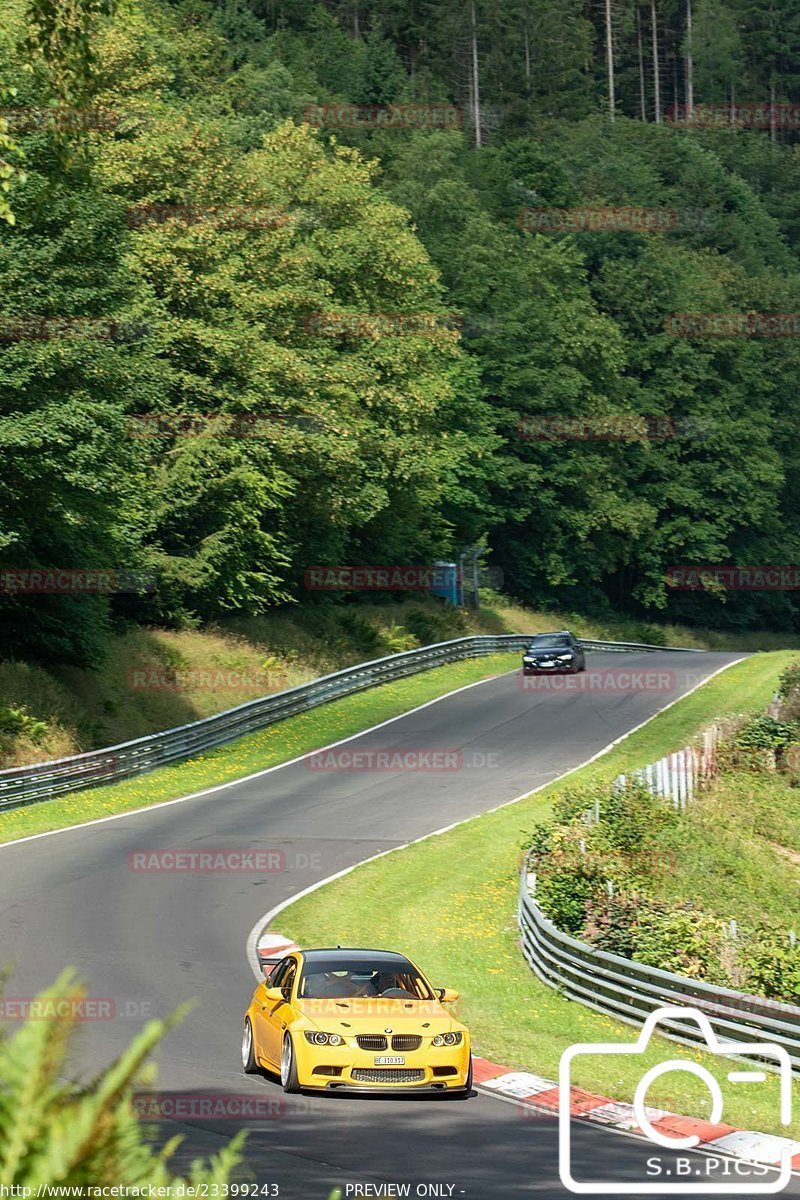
(553, 653)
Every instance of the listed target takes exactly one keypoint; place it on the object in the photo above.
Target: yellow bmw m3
(359, 1020)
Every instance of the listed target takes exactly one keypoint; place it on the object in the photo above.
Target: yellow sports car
(361, 1020)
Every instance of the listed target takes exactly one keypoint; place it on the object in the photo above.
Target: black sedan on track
(554, 653)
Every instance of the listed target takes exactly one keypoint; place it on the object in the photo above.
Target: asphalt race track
(149, 941)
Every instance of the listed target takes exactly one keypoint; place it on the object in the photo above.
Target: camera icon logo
(768, 1050)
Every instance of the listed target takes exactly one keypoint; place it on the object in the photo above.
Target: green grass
(450, 902)
(276, 744)
(738, 853)
(76, 709)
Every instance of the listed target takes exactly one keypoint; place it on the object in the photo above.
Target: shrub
(610, 921)
(18, 722)
(763, 732)
(683, 940)
(59, 1133)
(789, 680)
(771, 965)
(632, 817)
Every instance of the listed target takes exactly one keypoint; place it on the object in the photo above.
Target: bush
(56, 1133)
(767, 733)
(576, 858)
(789, 681)
(771, 965)
(632, 817)
(610, 921)
(18, 722)
(439, 623)
(682, 939)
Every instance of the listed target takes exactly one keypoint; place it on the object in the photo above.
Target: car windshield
(338, 979)
(547, 641)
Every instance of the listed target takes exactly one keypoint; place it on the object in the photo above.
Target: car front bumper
(439, 1069)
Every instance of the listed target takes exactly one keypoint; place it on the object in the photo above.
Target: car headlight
(447, 1039)
(528, 661)
(323, 1039)
(564, 657)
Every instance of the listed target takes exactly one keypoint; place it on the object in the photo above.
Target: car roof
(357, 954)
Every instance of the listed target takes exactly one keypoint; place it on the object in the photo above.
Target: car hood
(364, 1015)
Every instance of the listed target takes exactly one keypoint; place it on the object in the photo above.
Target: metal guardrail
(20, 786)
(630, 990)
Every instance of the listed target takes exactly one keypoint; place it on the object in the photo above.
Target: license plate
(546, 662)
(390, 1060)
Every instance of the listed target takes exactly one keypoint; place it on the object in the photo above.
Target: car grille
(372, 1041)
(387, 1075)
(406, 1041)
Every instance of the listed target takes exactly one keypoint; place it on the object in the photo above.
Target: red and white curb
(536, 1092)
(543, 1094)
(271, 949)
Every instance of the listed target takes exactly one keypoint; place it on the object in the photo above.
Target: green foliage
(789, 680)
(771, 964)
(595, 879)
(18, 722)
(9, 167)
(54, 1132)
(406, 449)
(767, 733)
(436, 624)
(683, 940)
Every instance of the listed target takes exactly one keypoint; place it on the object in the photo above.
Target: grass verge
(276, 744)
(450, 902)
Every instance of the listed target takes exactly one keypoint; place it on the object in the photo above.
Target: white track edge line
(263, 922)
(219, 787)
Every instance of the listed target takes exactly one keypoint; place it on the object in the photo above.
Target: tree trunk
(642, 104)
(476, 91)
(772, 131)
(656, 69)
(689, 62)
(527, 57)
(610, 57)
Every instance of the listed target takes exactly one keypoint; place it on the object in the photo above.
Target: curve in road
(145, 941)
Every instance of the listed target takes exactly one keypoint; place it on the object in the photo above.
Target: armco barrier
(43, 781)
(629, 990)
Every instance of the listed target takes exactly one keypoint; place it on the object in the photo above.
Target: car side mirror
(273, 994)
(447, 995)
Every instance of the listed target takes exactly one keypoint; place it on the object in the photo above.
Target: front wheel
(289, 1066)
(249, 1064)
(465, 1092)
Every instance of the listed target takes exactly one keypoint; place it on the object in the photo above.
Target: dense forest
(303, 305)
